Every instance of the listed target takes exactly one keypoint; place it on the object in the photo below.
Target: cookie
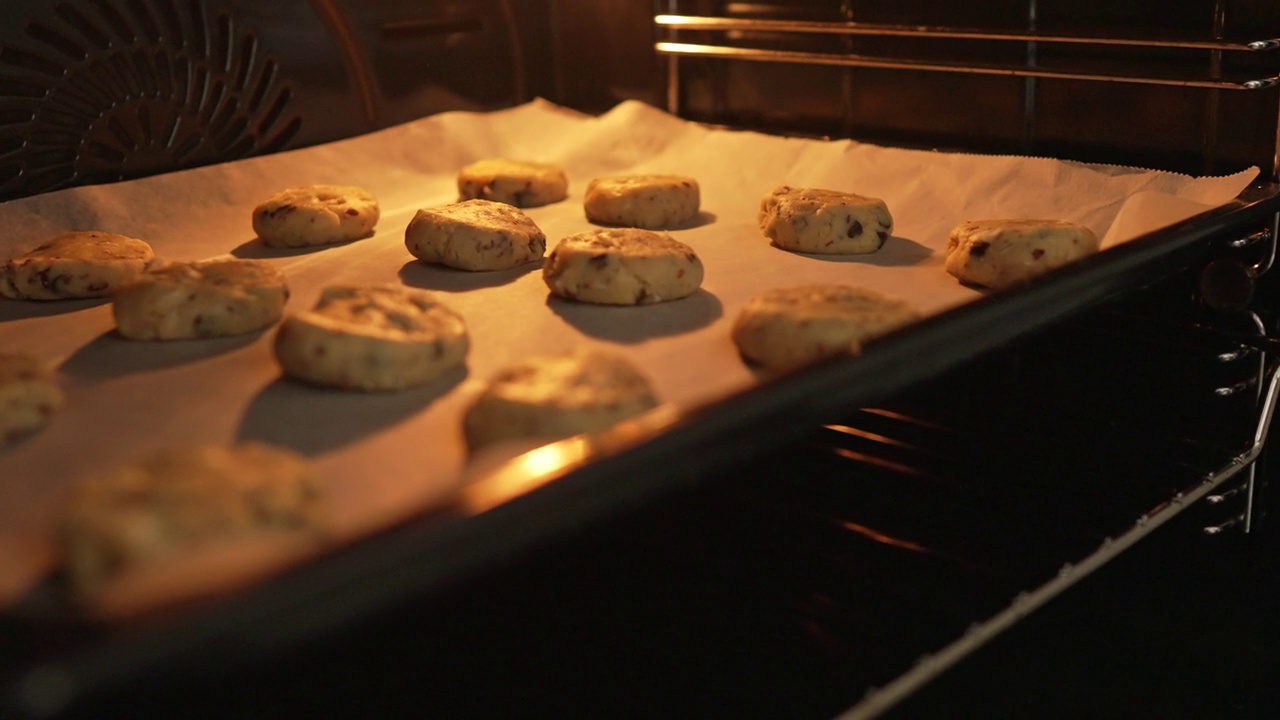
(180, 499)
(75, 265)
(1000, 253)
(475, 235)
(382, 337)
(29, 394)
(316, 215)
(785, 328)
(208, 298)
(514, 182)
(643, 201)
(828, 222)
(555, 396)
(625, 266)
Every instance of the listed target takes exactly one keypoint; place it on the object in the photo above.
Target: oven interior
(842, 572)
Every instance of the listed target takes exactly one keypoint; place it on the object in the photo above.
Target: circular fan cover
(96, 92)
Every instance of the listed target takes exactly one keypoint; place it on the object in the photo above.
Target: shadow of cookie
(636, 323)
(440, 277)
(312, 419)
(702, 219)
(896, 252)
(11, 310)
(256, 249)
(111, 355)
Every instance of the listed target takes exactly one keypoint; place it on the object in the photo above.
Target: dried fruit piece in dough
(515, 182)
(182, 498)
(642, 201)
(555, 396)
(827, 222)
(785, 328)
(206, 298)
(1000, 253)
(75, 265)
(475, 235)
(316, 215)
(29, 395)
(381, 337)
(624, 266)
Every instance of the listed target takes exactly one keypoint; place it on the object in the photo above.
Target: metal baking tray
(557, 489)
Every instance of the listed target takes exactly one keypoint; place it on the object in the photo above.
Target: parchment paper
(381, 456)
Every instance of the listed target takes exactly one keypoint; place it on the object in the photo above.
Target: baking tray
(556, 489)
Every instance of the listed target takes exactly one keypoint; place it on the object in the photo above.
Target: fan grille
(95, 92)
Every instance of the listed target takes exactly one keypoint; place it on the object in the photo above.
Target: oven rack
(1029, 67)
(1188, 481)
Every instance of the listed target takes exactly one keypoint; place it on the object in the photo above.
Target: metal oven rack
(874, 436)
(1201, 63)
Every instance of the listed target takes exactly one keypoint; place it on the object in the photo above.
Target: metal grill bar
(810, 58)
(701, 23)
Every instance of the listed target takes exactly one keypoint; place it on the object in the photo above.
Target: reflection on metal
(882, 538)
(1273, 239)
(812, 58)
(855, 432)
(539, 466)
(695, 22)
(523, 474)
(879, 700)
(877, 461)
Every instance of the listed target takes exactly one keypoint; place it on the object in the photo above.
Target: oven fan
(101, 91)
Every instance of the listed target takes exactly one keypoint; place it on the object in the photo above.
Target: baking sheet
(383, 456)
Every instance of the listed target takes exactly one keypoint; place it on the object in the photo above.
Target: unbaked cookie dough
(1000, 253)
(181, 498)
(643, 201)
(828, 222)
(75, 265)
(785, 328)
(515, 182)
(475, 235)
(381, 337)
(202, 299)
(316, 215)
(29, 395)
(624, 266)
(555, 396)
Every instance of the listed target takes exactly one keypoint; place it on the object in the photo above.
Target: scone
(626, 266)
(29, 394)
(828, 222)
(785, 328)
(515, 182)
(179, 499)
(382, 337)
(555, 396)
(1000, 253)
(75, 265)
(643, 201)
(475, 235)
(316, 215)
(207, 298)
